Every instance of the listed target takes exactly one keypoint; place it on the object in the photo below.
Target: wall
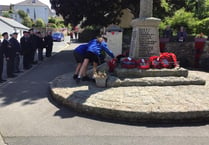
(185, 53)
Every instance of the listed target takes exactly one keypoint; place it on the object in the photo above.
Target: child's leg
(95, 67)
(78, 68)
(83, 69)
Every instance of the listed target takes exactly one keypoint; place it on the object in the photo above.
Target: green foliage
(191, 14)
(182, 18)
(39, 23)
(22, 14)
(51, 25)
(61, 26)
(27, 22)
(52, 20)
(6, 14)
(56, 21)
(203, 26)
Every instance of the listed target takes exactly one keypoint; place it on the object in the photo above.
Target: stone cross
(146, 7)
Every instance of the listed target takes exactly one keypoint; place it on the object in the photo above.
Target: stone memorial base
(140, 103)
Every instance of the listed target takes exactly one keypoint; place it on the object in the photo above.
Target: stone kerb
(134, 103)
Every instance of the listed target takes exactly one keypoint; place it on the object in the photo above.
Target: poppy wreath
(143, 63)
(155, 62)
(128, 63)
(112, 64)
(168, 60)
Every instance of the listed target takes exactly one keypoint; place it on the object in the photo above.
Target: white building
(34, 8)
(9, 25)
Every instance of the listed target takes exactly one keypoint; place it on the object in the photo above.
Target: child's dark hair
(105, 38)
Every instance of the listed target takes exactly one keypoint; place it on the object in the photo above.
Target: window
(28, 10)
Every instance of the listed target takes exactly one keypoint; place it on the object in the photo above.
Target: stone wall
(185, 53)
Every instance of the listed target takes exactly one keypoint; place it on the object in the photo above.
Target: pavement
(58, 46)
(178, 103)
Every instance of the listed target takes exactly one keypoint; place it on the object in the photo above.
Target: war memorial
(139, 95)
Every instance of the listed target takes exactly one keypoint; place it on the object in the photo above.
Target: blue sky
(8, 2)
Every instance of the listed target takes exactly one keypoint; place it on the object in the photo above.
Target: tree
(98, 13)
(39, 23)
(22, 14)
(6, 14)
(25, 18)
(27, 22)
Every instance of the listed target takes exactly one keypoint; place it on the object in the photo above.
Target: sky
(8, 2)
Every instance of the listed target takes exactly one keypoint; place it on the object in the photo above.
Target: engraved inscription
(147, 41)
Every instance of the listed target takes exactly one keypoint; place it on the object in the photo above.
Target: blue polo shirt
(96, 47)
(81, 49)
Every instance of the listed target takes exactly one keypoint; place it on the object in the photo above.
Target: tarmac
(180, 103)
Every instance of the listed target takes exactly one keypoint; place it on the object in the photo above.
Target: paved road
(28, 116)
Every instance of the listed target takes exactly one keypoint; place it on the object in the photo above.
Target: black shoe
(28, 67)
(2, 81)
(18, 71)
(12, 76)
(75, 76)
(86, 78)
(35, 62)
(78, 80)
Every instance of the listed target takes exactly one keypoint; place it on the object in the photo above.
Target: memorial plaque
(145, 34)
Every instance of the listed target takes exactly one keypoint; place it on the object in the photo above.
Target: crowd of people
(92, 52)
(11, 50)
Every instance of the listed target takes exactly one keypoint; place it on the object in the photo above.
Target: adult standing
(2, 53)
(48, 44)
(34, 41)
(40, 46)
(10, 55)
(76, 32)
(182, 35)
(25, 43)
(16, 47)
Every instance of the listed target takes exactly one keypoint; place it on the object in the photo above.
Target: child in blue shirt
(79, 53)
(93, 53)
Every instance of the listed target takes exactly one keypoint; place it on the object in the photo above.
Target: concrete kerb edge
(2, 142)
(131, 116)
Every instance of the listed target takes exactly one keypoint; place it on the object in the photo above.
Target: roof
(4, 7)
(32, 3)
(12, 23)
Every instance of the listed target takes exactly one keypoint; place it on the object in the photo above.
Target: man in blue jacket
(93, 53)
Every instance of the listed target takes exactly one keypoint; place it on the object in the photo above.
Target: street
(28, 115)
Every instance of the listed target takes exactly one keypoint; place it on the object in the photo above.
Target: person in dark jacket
(26, 50)
(48, 44)
(16, 47)
(2, 55)
(34, 45)
(10, 55)
(40, 45)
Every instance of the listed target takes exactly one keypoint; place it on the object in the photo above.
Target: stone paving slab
(136, 103)
(138, 73)
(154, 81)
